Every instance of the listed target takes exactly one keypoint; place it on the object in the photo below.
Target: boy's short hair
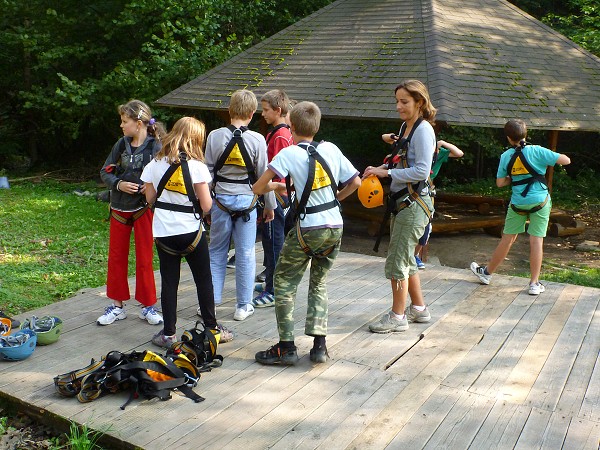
(242, 104)
(305, 117)
(515, 129)
(276, 98)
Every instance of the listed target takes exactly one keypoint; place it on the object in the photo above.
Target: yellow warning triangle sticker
(321, 178)
(518, 168)
(176, 183)
(235, 157)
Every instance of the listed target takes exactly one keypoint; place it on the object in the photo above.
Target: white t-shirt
(293, 160)
(172, 223)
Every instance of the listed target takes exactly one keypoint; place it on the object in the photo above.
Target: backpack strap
(274, 130)
(535, 176)
(238, 139)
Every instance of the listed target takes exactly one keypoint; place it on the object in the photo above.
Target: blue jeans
(222, 228)
(272, 242)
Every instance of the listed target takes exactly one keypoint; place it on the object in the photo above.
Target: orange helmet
(370, 192)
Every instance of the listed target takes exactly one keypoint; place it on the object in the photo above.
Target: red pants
(117, 285)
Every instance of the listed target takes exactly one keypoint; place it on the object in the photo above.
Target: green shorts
(406, 229)
(538, 221)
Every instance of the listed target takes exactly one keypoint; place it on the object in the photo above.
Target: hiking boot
(111, 314)
(389, 324)
(243, 312)
(226, 335)
(319, 354)
(478, 270)
(277, 355)
(536, 288)
(261, 277)
(414, 315)
(151, 315)
(14, 323)
(164, 341)
(420, 264)
(263, 300)
(231, 262)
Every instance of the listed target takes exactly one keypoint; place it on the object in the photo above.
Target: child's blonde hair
(242, 104)
(138, 110)
(305, 117)
(276, 98)
(419, 92)
(187, 136)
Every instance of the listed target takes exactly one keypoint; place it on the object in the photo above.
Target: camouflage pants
(290, 268)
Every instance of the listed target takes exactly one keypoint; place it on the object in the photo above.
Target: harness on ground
(298, 209)
(235, 153)
(145, 374)
(518, 165)
(399, 150)
(177, 178)
(200, 347)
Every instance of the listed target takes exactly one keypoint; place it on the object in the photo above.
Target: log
(558, 230)
(467, 223)
(469, 199)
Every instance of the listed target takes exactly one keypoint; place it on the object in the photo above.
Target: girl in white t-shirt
(177, 225)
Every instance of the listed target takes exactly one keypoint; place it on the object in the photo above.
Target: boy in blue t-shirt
(530, 199)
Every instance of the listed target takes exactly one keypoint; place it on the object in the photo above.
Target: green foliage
(3, 425)
(52, 243)
(83, 437)
(72, 63)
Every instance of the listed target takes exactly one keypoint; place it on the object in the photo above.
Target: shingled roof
(484, 61)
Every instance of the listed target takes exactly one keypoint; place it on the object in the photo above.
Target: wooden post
(552, 142)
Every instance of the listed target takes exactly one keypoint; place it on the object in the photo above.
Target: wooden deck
(495, 368)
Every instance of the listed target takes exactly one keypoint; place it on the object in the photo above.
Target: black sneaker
(319, 354)
(14, 323)
(261, 277)
(231, 262)
(277, 355)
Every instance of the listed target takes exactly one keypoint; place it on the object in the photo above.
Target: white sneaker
(478, 270)
(111, 313)
(243, 312)
(536, 288)
(151, 315)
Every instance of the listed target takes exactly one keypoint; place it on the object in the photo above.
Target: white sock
(420, 308)
(398, 316)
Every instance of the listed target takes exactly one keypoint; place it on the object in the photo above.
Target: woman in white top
(177, 226)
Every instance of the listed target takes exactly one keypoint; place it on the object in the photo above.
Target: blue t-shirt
(539, 158)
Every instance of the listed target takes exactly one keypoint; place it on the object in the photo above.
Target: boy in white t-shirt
(319, 235)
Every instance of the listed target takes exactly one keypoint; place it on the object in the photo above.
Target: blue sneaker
(420, 264)
(264, 300)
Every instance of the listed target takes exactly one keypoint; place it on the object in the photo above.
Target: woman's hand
(389, 138)
(381, 171)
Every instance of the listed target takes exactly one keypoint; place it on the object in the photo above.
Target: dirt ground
(458, 249)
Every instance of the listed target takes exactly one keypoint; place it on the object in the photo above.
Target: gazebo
(484, 61)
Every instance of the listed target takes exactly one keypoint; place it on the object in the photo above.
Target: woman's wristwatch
(390, 173)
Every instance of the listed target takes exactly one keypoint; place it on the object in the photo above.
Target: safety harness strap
(243, 213)
(301, 207)
(239, 140)
(400, 147)
(189, 187)
(189, 249)
(274, 130)
(128, 220)
(536, 208)
(535, 176)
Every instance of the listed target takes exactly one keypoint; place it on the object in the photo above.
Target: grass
(52, 243)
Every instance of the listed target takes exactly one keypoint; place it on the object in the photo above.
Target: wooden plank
(551, 381)
(532, 435)
(583, 434)
(502, 426)
(459, 427)
(527, 370)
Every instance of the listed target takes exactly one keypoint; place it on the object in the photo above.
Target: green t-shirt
(442, 157)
